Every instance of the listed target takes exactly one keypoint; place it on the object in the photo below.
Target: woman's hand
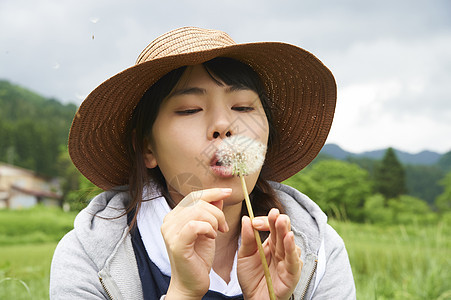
(189, 232)
(282, 254)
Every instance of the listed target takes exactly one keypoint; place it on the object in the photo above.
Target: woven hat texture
(301, 89)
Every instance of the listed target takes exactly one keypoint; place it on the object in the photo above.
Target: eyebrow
(237, 88)
(188, 91)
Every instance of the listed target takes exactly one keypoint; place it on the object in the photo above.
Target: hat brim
(301, 89)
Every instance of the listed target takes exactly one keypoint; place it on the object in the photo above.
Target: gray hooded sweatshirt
(96, 259)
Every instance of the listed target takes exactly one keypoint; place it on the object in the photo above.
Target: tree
(338, 187)
(77, 190)
(363, 162)
(445, 162)
(78, 199)
(376, 210)
(70, 176)
(389, 176)
(407, 209)
(423, 182)
(443, 201)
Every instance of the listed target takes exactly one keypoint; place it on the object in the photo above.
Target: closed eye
(188, 111)
(243, 108)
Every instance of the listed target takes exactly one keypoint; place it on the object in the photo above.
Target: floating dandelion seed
(246, 156)
(93, 20)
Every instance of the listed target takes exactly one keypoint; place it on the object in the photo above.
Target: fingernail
(226, 190)
(243, 218)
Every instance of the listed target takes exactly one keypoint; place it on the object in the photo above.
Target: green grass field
(389, 262)
(399, 262)
(27, 241)
(25, 271)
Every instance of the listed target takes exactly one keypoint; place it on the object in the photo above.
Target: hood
(102, 224)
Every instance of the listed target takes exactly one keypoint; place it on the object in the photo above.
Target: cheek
(174, 147)
(255, 127)
(176, 129)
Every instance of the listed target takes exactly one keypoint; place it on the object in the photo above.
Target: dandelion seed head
(243, 154)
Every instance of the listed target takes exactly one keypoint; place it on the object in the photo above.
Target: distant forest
(33, 129)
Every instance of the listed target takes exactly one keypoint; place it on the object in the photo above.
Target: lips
(219, 169)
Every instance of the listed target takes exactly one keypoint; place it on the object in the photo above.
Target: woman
(171, 222)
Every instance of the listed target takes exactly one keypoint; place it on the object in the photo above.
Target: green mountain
(33, 129)
(421, 158)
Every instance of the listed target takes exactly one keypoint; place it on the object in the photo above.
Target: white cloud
(365, 121)
(394, 93)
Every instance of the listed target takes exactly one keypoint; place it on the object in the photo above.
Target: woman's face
(191, 124)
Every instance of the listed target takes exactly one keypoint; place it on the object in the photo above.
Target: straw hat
(302, 91)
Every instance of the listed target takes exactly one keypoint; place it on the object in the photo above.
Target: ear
(149, 157)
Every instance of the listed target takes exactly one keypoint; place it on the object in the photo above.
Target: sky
(391, 59)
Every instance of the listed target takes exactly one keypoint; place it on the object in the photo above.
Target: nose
(220, 126)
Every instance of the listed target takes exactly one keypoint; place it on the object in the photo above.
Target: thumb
(248, 243)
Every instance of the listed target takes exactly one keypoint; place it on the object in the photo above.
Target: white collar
(149, 219)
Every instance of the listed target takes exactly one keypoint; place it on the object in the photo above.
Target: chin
(237, 197)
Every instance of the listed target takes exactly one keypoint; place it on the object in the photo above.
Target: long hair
(224, 71)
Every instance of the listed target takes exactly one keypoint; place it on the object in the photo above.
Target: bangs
(233, 73)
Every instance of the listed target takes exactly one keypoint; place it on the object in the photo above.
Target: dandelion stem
(258, 240)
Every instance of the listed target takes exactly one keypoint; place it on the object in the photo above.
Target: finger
(272, 217)
(283, 225)
(248, 243)
(292, 254)
(193, 229)
(261, 223)
(204, 209)
(201, 211)
(209, 195)
(282, 228)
